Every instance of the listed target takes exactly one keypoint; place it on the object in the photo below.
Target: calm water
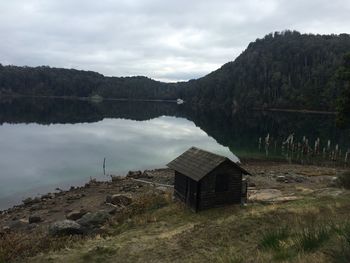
(58, 143)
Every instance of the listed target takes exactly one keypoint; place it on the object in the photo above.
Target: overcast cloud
(164, 40)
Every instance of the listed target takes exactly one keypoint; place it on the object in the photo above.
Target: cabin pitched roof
(197, 163)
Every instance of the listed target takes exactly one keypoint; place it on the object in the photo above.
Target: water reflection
(37, 158)
(57, 143)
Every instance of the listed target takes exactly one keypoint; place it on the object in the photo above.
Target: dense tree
(46, 81)
(283, 70)
(343, 75)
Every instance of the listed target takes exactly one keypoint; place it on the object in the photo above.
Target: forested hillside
(282, 70)
(46, 81)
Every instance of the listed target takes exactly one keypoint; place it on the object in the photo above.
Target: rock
(117, 178)
(74, 197)
(118, 199)
(329, 192)
(147, 174)
(30, 201)
(134, 174)
(93, 220)
(54, 210)
(112, 210)
(35, 207)
(65, 227)
(32, 226)
(6, 229)
(162, 189)
(17, 224)
(264, 195)
(299, 179)
(251, 184)
(75, 215)
(34, 219)
(281, 179)
(334, 182)
(283, 199)
(47, 196)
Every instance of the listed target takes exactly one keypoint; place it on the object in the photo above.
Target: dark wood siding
(186, 190)
(180, 185)
(210, 198)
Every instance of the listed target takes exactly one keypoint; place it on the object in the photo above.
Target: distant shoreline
(99, 99)
(298, 111)
(86, 98)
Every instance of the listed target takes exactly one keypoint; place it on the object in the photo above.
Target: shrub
(344, 180)
(311, 238)
(272, 239)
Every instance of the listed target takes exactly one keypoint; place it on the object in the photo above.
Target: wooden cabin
(204, 180)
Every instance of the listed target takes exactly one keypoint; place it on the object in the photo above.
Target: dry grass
(17, 245)
(155, 229)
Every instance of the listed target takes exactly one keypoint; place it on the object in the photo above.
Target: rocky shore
(86, 209)
(83, 210)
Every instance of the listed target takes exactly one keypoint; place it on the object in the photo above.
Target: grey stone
(17, 224)
(281, 179)
(6, 228)
(35, 207)
(75, 215)
(93, 220)
(134, 174)
(251, 184)
(162, 189)
(65, 227)
(299, 179)
(30, 201)
(147, 174)
(117, 178)
(34, 219)
(48, 196)
(118, 199)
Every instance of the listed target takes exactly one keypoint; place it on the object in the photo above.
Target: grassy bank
(314, 229)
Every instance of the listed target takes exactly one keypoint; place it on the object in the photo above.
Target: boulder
(47, 196)
(251, 184)
(118, 199)
(17, 224)
(265, 195)
(93, 220)
(31, 201)
(134, 174)
(162, 189)
(281, 179)
(75, 215)
(117, 178)
(34, 219)
(147, 174)
(334, 182)
(35, 207)
(65, 227)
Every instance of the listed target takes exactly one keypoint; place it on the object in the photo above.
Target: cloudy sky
(165, 40)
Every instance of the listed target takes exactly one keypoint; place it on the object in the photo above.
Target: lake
(48, 143)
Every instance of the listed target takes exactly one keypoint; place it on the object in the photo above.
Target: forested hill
(282, 70)
(46, 81)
